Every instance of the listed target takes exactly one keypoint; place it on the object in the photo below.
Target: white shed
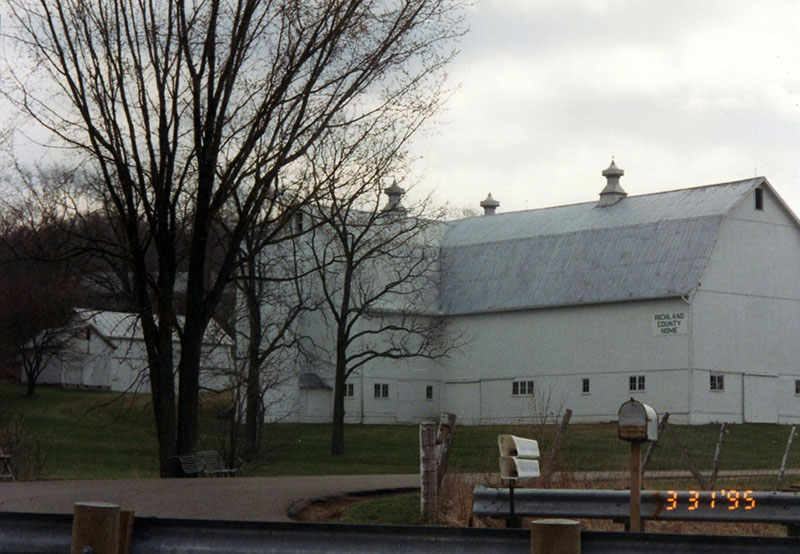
(106, 350)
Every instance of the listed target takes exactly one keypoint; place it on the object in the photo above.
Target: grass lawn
(92, 434)
(89, 435)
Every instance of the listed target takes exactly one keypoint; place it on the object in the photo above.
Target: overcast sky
(682, 93)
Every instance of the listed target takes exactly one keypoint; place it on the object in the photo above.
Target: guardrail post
(555, 536)
(126, 519)
(95, 528)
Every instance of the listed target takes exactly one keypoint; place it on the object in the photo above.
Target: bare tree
(40, 286)
(377, 271)
(187, 110)
(272, 298)
(35, 315)
(49, 347)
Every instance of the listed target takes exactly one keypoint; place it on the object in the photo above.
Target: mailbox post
(637, 423)
(519, 458)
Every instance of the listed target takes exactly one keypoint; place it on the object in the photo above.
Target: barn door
(760, 399)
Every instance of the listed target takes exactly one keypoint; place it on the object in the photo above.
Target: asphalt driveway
(236, 498)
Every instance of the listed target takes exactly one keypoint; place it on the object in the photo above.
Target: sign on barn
(670, 323)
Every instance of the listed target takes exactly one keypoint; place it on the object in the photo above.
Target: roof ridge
(630, 197)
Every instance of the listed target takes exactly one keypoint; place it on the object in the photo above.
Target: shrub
(28, 451)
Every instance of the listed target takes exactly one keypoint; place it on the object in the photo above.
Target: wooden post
(562, 429)
(635, 524)
(717, 456)
(126, 519)
(555, 536)
(95, 528)
(685, 457)
(427, 469)
(779, 486)
(444, 439)
(662, 426)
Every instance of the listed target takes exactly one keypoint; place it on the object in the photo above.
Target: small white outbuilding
(106, 350)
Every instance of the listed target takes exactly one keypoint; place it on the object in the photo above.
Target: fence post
(95, 528)
(688, 461)
(444, 439)
(785, 459)
(717, 456)
(662, 425)
(555, 536)
(427, 471)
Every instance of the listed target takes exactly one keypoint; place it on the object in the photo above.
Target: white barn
(687, 300)
(106, 350)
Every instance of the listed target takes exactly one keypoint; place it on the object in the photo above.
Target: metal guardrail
(724, 505)
(49, 533)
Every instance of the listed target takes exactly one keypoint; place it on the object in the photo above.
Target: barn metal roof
(312, 381)
(648, 246)
(126, 325)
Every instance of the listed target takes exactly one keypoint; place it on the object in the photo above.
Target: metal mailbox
(637, 422)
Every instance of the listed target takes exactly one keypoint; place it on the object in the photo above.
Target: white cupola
(613, 192)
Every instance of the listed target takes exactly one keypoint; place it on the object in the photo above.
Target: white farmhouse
(687, 300)
(106, 350)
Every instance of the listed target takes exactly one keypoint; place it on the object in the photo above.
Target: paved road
(238, 498)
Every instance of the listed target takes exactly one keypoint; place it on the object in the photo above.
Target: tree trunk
(342, 340)
(162, 388)
(189, 384)
(31, 388)
(337, 439)
(252, 420)
(198, 307)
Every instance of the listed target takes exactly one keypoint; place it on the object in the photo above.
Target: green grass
(401, 509)
(89, 434)
(98, 435)
(304, 449)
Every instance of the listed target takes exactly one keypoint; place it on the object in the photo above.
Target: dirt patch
(324, 510)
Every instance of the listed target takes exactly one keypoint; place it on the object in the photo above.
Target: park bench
(206, 464)
(5, 466)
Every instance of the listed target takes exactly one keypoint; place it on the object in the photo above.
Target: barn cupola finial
(489, 205)
(395, 193)
(613, 192)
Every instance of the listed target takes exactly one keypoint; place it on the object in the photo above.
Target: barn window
(381, 390)
(797, 386)
(585, 387)
(348, 390)
(298, 221)
(636, 383)
(718, 382)
(759, 199)
(429, 392)
(522, 388)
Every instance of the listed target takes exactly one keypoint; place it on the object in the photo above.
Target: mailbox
(638, 422)
(517, 446)
(519, 458)
(518, 468)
